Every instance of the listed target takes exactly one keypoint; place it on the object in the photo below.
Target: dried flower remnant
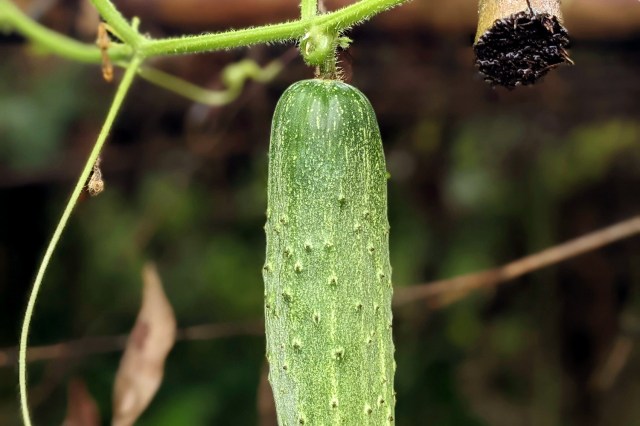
(95, 185)
(519, 42)
(103, 41)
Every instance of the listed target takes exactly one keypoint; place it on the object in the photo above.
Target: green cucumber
(327, 273)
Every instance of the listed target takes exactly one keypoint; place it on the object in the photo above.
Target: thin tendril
(123, 88)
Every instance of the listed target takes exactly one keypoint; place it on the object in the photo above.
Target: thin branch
(217, 331)
(609, 371)
(447, 290)
(102, 344)
(454, 288)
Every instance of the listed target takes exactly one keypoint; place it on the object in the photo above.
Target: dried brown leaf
(266, 405)
(142, 364)
(82, 409)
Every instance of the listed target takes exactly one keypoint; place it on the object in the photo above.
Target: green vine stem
(234, 77)
(123, 88)
(336, 21)
(11, 17)
(136, 47)
(308, 8)
(126, 32)
(318, 46)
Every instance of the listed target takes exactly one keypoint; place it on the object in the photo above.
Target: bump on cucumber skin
(327, 273)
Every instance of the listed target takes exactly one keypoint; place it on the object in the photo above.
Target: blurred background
(479, 177)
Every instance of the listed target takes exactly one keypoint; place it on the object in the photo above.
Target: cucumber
(327, 273)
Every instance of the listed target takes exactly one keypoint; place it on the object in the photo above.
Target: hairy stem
(308, 8)
(54, 42)
(338, 20)
(120, 26)
(123, 88)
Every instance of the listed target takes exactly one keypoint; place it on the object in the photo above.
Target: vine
(337, 21)
(319, 33)
(118, 99)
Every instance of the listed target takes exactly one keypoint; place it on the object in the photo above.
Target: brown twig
(605, 377)
(440, 292)
(101, 344)
(452, 289)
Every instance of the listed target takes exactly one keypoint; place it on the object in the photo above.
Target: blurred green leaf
(464, 324)
(34, 122)
(191, 406)
(587, 154)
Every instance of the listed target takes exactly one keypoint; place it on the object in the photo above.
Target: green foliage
(35, 119)
(193, 406)
(463, 324)
(409, 235)
(202, 274)
(588, 153)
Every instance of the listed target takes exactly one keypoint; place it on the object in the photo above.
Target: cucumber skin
(327, 273)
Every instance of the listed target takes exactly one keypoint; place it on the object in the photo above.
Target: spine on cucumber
(327, 273)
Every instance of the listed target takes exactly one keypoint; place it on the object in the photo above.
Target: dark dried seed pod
(519, 41)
